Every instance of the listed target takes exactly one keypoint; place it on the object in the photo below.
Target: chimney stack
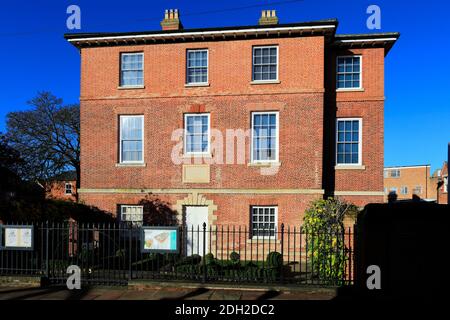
(268, 17)
(171, 20)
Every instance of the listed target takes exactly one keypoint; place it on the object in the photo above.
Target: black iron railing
(112, 254)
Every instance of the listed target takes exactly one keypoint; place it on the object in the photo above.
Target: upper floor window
(131, 139)
(348, 142)
(131, 69)
(265, 63)
(196, 133)
(395, 173)
(264, 221)
(132, 214)
(264, 137)
(348, 72)
(197, 67)
(68, 188)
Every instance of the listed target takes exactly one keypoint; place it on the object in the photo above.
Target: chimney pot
(268, 17)
(171, 20)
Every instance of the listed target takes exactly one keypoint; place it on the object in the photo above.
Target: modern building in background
(312, 100)
(409, 181)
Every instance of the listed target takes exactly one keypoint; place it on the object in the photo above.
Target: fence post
(204, 252)
(47, 270)
(130, 228)
(282, 253)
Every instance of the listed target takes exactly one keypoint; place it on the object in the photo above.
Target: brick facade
(414, 179)
(304, 96)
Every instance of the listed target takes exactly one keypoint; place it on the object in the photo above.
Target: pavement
(163, 293)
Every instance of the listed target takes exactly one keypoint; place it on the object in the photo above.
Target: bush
(274, 259)
(235, 257)
(209, 259)
(323, 224)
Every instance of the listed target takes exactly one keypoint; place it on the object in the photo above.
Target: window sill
(266, 82)
(130, 87)
(131, 164)
(264, 164)
(197, 155)
(263, 241)
(351, 90)
(350, 167)
(193, 85)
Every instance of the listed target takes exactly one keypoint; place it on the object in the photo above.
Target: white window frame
(122, 206)
(187, 67)
(65, 189)
(120, 139)
(396, 170)
(277, 122)
(360, 72)
(404, 190)
(360, 142)
(208, 152)
(393, 189)
(274, 237)
(120, 70)
(253, 63)
(420, 189)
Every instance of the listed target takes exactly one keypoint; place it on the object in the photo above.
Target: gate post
(129, 251)
(282, 253)
(204, 253)
(47, 270)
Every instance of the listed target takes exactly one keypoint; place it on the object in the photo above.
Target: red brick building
(312, 101)
(62, 187)
(440, 178)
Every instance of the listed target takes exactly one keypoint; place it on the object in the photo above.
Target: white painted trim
(200, 154)
(65, 189)
(277, 80)
(277, 119)
(366, 40)
(359, 164)
(201, 190)
(407, 167)
(120, 139)
(205, 33)
(359, 193)
(360, 88)
(201, 84)
(139, 86)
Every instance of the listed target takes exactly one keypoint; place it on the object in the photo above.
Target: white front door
(195, 217)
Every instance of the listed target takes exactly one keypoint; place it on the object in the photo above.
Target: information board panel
(16, 237)
(160, 239)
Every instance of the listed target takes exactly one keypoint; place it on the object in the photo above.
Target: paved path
(159, 293)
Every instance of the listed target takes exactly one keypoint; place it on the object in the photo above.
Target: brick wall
(305, 99)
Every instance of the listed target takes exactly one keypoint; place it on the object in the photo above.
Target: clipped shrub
(209, 259)
(189, 260)
(274, 259)
(235, 257)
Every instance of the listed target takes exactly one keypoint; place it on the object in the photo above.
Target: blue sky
(35, 56)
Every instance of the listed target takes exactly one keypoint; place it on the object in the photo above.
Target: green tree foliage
(325, 245)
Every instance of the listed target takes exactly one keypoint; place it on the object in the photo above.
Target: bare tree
(47, 137)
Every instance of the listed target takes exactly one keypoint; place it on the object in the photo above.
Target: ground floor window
(132, 214)
(264, 221)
